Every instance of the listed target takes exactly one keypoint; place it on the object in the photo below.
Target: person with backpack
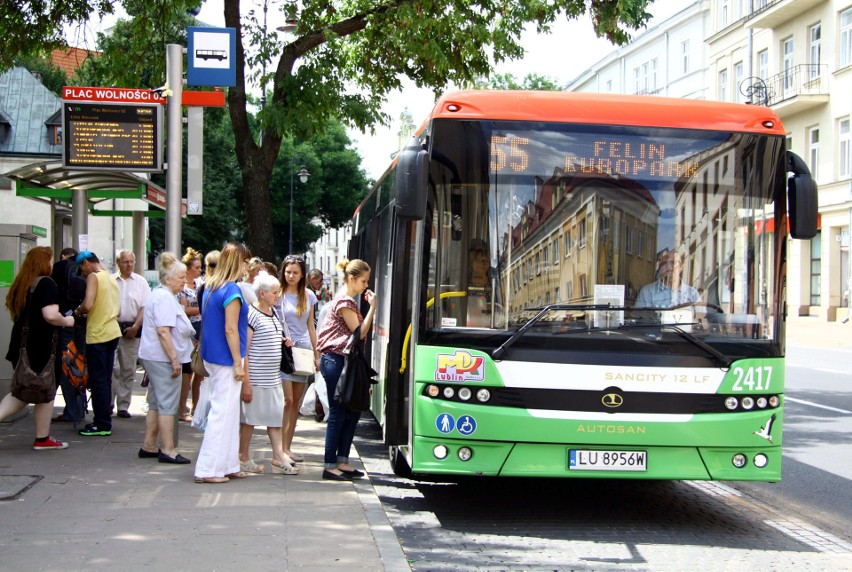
(102, 332)
(33, 302)
(72, 290)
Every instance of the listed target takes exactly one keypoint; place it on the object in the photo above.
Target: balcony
(773, 14)
(798, 89)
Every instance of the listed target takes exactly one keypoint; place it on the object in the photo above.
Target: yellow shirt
(102, 323)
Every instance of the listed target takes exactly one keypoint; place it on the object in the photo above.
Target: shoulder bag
(353, 387)
(27, 385)
(303, 360)
(195, 360)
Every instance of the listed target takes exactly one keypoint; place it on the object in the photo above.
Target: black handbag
(287, 365)
(27, 385)
(353, 387)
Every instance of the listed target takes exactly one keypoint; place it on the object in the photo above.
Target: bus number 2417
(754, 378)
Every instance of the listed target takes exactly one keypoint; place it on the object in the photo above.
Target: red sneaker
(49, 444)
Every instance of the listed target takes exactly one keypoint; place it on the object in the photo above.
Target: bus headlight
(731, 403)
(483, 395)
(774, 401)
(748, 403)
(465, 453)
(440, 452)
(761, 402)
(465, 393)
(739, 460)
(449, 392)
(433, 390)
(761, 460)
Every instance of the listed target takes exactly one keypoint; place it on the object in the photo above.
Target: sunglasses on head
(291, 259)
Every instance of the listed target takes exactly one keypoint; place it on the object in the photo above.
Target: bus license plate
(590, 460)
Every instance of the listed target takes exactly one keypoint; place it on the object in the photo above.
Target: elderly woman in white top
(165, 345)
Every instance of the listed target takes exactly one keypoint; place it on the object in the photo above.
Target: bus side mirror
(802, 198)
(412, 174)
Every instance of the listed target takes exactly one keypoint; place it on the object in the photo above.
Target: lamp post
(303, 176)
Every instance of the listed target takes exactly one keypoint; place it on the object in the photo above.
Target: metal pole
(174, 148)
(79, 218)
(292, 167)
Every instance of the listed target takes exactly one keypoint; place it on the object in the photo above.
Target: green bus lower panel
(490, 458)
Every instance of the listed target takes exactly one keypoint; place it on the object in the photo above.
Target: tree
(345, 57)
(530, 82)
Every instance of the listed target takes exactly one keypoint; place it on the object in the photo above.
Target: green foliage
(530, 82)
(52, 77)
(133, 53)
(33, 27)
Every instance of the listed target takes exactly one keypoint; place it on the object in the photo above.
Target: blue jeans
(100, 359)
(75, 401)
(341, 422)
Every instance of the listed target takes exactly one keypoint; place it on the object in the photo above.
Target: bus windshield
(632, 229)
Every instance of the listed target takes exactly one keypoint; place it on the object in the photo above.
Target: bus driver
(667, 290)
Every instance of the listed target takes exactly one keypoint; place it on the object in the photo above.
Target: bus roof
(606, 109)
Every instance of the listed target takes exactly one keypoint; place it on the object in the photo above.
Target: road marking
(812, 404)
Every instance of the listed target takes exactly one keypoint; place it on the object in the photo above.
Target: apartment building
(796, 57)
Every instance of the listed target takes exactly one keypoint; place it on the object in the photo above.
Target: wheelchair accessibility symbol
(445, 423)
(466, 425)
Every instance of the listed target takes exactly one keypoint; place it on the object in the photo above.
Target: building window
(547, 298)
(556, 294)
(684, 57)
(628, 239)
(787, 50)
(813, 151)
(609, 86)
(738, 79)
(815, 53)
(569, 290)
(57, 135)
(582, 241)
(763, 64)
(568, 244)
(537, 263)
(816, 264)
(723, 14)
(844, 160)
(723, 85)
(636, 88)
(546, 252)
(846, 38)
(640, 243)
(654, 83)
(555, 246)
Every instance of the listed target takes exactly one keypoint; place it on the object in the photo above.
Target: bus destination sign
(112, 136)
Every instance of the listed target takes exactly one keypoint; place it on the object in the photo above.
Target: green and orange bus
(629, 319)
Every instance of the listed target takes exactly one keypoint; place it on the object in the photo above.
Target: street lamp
(303, 176)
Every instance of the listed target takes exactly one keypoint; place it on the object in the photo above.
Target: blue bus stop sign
(210, 56)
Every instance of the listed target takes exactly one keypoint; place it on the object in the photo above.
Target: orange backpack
(74, 367)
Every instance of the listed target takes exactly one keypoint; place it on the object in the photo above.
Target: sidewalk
(97, 506)
(811, 331)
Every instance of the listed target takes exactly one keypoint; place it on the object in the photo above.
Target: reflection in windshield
(668, 225)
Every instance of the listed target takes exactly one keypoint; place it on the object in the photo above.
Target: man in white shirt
(133, 293)
(667, 291)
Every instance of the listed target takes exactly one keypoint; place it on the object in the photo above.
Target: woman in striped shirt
(262, 394)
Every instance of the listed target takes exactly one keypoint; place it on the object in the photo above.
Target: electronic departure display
(112, 136)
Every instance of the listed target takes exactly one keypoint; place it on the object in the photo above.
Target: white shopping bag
(309, 401)
(322, 394)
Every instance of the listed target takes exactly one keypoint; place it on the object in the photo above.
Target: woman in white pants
(223, 347)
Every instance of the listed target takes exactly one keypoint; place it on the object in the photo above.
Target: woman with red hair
(41, 310)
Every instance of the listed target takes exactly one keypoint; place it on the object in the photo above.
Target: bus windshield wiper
(498, 353)
(724, 360)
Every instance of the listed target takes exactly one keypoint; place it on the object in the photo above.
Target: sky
(562, 55)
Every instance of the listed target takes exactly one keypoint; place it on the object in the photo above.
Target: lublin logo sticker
(460, 366)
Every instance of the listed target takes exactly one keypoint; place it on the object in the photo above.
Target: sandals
(286, 469)
(240, 475)
(211, 480)
(251, 467)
